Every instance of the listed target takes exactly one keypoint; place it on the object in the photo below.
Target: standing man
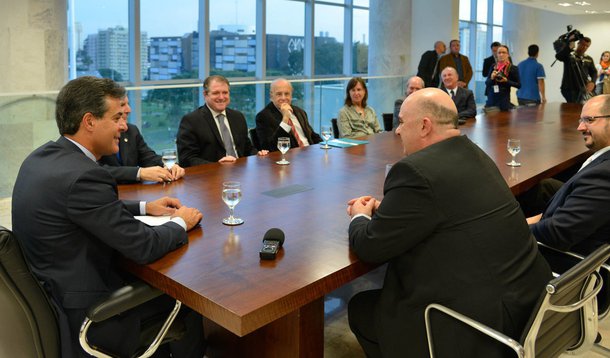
(135, 161)
(73, 227)
(214, 132)
(462, 97)
(452, 233)
(579, 73)
(282, 119)
(578, 215)
(491, 60)
(458, 61)
(414, 84)
(428, 63)
(531, 74)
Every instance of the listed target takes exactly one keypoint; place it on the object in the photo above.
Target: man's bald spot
(414, 79)
(604, 105)
(277, 82)
(434, 104)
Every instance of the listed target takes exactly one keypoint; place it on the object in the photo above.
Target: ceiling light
(565, 4)
(590, 11)
(581, 3)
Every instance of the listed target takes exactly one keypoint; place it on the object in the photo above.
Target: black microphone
(272, 242)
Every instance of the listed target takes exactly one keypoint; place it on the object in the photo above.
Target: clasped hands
(160, 174)
(362, 205)
(172, 207)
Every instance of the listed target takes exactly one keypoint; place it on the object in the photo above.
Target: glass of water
(231, 195)
(283, 144)
(514, 147)
(168, 157)
(327, 133)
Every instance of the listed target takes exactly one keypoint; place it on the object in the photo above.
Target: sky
(175, 18)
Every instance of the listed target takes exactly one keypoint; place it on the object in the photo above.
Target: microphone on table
(272, 242)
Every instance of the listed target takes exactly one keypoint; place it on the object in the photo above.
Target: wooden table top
(219, 273)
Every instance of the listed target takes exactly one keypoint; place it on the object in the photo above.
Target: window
(328, 39)
(360, 32)
(285, 37)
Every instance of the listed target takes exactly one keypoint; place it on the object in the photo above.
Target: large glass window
(101, 37)
(285, 37)
(360, 40)
(233, 38)
(328, 39)
(172, 48)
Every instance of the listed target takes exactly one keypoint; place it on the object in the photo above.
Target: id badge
(496, 89)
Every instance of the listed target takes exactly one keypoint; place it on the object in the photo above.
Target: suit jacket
(449, 61)
(452, 233)
(269, 130)
(426, 67)
(134, 152)
(464, 101)
(199, 141)
(578, 216)
(72, 226)
(488, 63)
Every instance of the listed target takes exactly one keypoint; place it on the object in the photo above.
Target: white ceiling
(594, 7)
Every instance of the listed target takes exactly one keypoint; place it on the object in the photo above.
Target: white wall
(524, 26)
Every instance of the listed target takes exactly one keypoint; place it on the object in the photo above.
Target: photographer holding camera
(579, 73)
(501, 78)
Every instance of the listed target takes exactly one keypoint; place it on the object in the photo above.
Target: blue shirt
(530, 71)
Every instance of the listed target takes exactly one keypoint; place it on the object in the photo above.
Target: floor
(339, 342)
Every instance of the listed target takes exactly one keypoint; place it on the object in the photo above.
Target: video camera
(565, 39)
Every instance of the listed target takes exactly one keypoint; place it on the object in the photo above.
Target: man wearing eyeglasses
(578, 215)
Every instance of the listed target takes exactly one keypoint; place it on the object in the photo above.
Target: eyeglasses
(589, 120)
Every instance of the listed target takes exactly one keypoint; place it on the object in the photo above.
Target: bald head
(426, 117)
(450, 77)
(439, 47)
(414, 84)
(280, 92)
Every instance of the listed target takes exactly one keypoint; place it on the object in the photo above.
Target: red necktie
(294, 131)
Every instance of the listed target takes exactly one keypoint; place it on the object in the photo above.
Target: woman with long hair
(356, 118)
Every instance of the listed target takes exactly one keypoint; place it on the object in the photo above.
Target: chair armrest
(121, 300)
(498, 336)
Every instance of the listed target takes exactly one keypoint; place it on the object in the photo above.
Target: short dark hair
(81, 96)
(210, 79)
(495, 44)
(351, 84)
(586, 39)
(532, 50)
(452, 41)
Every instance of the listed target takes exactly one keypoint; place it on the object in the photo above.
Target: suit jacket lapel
(211, 123)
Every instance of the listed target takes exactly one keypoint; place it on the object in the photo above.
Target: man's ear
(426, 127)
(88, 122)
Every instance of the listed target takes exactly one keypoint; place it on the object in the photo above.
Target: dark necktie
(227, 140)
(452, 93)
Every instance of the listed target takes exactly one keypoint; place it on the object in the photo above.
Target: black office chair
(254, 138)
(29, 326)
(561, 261)
(563, 320)
(333, 121)
(388, 121)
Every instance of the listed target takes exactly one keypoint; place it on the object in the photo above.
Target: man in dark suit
(135, 161)
(72, 226)
(427, 64)
(578, 215)
(491, 60)
(282, 119)
(414, 84)
(452, 233)
(214, 132)
(462, 97)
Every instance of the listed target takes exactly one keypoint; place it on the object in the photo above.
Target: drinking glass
(327, 133)
(168, 157)
(231, 195)
(514, 147)
(283, 144)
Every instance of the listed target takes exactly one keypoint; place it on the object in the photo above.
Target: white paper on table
(153, 220)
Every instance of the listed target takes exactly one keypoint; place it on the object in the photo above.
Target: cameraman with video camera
(579, 71)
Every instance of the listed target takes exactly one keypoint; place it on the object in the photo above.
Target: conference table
(275, 308)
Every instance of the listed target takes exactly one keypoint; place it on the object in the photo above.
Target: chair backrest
(333, 121)
(254, 138)
(28, 326)
(388, 121)
(566, 315)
